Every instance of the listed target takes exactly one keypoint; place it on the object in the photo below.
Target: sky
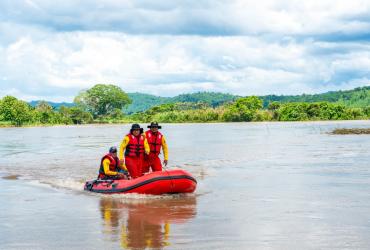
(51, 50)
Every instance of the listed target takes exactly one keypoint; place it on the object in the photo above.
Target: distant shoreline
(216, 122)
(202, 107)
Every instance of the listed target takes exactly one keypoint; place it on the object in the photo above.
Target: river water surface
(260, 186)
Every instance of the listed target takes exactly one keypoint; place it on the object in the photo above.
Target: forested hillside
(142, 102)
(356, 98)
(55, 105)
(213, 99)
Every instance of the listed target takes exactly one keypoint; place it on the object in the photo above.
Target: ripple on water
(260, 186)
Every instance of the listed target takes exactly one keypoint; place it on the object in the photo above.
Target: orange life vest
(113, 165)
(135, 146)
(155, 141)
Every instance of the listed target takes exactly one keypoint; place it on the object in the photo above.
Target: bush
(263, 115)
(15, 111)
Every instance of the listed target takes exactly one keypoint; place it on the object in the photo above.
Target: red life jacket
(113, 165)
(135, 146)
(155, 141)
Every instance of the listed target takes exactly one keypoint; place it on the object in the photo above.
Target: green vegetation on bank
(250, 109)
(16, 112)
(106, 103)
(355, 98)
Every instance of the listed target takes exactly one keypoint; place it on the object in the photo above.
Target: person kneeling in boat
(135, 146)
(156, 141)
(110, 167)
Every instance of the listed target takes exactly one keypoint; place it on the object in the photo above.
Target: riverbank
(125, 122)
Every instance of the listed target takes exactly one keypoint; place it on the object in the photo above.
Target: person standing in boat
(109, 166)
(156, 141)
(133, 147)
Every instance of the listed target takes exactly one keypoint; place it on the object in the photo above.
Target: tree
(44, 106)
(117, 114)
(74, 115)
(102, 99)
(16, 111)
(273, 106)
(79, 116)
(243, 109)
(299, 111)
(293, 112)
(367, 111)
(44, 112)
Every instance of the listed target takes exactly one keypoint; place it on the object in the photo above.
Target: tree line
(92, 105)
(17, 112)
(247, 109)
(104, 104)
(355, 98)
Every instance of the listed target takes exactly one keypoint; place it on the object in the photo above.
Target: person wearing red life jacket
(133, 147)
(109, 166)
(156, 141)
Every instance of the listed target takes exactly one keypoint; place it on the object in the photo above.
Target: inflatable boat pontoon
(161, 182)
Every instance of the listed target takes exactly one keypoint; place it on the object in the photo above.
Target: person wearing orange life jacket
(156, 141)
(134, 146)
(109, 166)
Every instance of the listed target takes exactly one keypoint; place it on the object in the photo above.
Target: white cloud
(298, 17)
(284, 47)
(235, 17)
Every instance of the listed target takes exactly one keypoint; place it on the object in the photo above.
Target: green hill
(213, 99)
(55, 105)
(356, 98)
(142, 102)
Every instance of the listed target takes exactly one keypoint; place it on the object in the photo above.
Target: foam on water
(68, 183)
(72, 184)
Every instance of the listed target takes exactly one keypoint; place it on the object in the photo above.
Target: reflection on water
(145, 223)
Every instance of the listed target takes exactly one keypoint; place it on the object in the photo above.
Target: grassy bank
(4, 124)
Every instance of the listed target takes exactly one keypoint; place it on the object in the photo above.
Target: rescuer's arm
(123, 147)
(123, 166)
(165, 148)
(107, 171)
(146, 146)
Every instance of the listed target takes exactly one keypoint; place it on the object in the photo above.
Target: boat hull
(156, 183)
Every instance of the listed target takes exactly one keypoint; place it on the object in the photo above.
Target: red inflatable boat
(165, 182)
